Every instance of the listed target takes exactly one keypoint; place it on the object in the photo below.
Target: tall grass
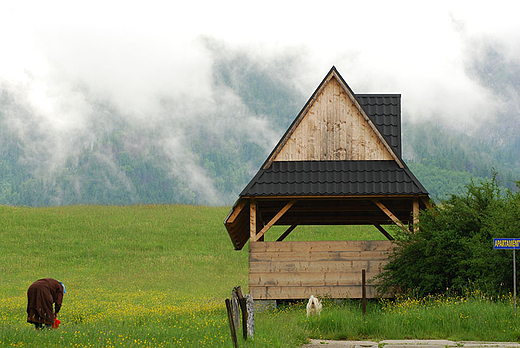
(157, 276)
(471, 318)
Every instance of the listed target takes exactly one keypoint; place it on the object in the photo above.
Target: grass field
(157, 276)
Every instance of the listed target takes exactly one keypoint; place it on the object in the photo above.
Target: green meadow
(157, 276)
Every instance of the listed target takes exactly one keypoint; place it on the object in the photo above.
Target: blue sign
(506, 243)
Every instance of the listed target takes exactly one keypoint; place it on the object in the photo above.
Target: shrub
(453, 248)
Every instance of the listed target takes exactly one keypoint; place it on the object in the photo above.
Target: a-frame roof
(340, 144)
(338, 162)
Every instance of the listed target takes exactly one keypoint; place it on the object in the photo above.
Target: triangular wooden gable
(332, 126)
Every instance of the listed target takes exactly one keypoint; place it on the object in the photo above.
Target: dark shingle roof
(385, 112)
(324, 178)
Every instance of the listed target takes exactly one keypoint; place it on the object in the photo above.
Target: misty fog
(115, 100)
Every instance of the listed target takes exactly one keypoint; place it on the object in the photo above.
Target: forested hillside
(446, 160)
(201, 152)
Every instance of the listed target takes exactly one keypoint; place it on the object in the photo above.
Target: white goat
(313, 306)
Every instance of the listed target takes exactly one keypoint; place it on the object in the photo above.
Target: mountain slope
(204, 151)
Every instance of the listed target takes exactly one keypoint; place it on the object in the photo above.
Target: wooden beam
(383, 231)
(324, 197)
(235, 212)
(416, 215)
(361, 206)
(273, 220)
(286, 233)
(252, 219)
(391, 215)
(426, 202)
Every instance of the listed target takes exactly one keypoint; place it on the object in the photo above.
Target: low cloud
(72, 75)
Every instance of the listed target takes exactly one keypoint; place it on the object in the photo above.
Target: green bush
(453, 248)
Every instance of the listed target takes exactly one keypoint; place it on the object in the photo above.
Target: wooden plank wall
(296, 270)
(333, 129)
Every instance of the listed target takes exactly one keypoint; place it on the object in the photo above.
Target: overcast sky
(56, 56)
(136, 52)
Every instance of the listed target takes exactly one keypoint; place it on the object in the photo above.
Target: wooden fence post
(250, 305)
(247, 309)
(231, 323)
(243, 308)
(364, 291)
(235, 309)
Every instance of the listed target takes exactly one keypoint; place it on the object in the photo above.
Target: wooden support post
(514, 282)
(231, 323)
(384, 232)
(391, 215)
(274, 219)
(286, 233)
(364, 291)
(252, 219)
(415, 214)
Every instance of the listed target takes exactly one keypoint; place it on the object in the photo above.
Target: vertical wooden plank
(306, 138)
(334, 124)
(310, 132)
(355, 135)
(325, 125)
(331, 126)
(341, 129)
(252, 219)
(286, 151)
(322, 126)
(345, 116)
(348, 130)
(364, 137)
(330, 122)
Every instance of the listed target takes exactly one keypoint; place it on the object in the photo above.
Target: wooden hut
(339, 163)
